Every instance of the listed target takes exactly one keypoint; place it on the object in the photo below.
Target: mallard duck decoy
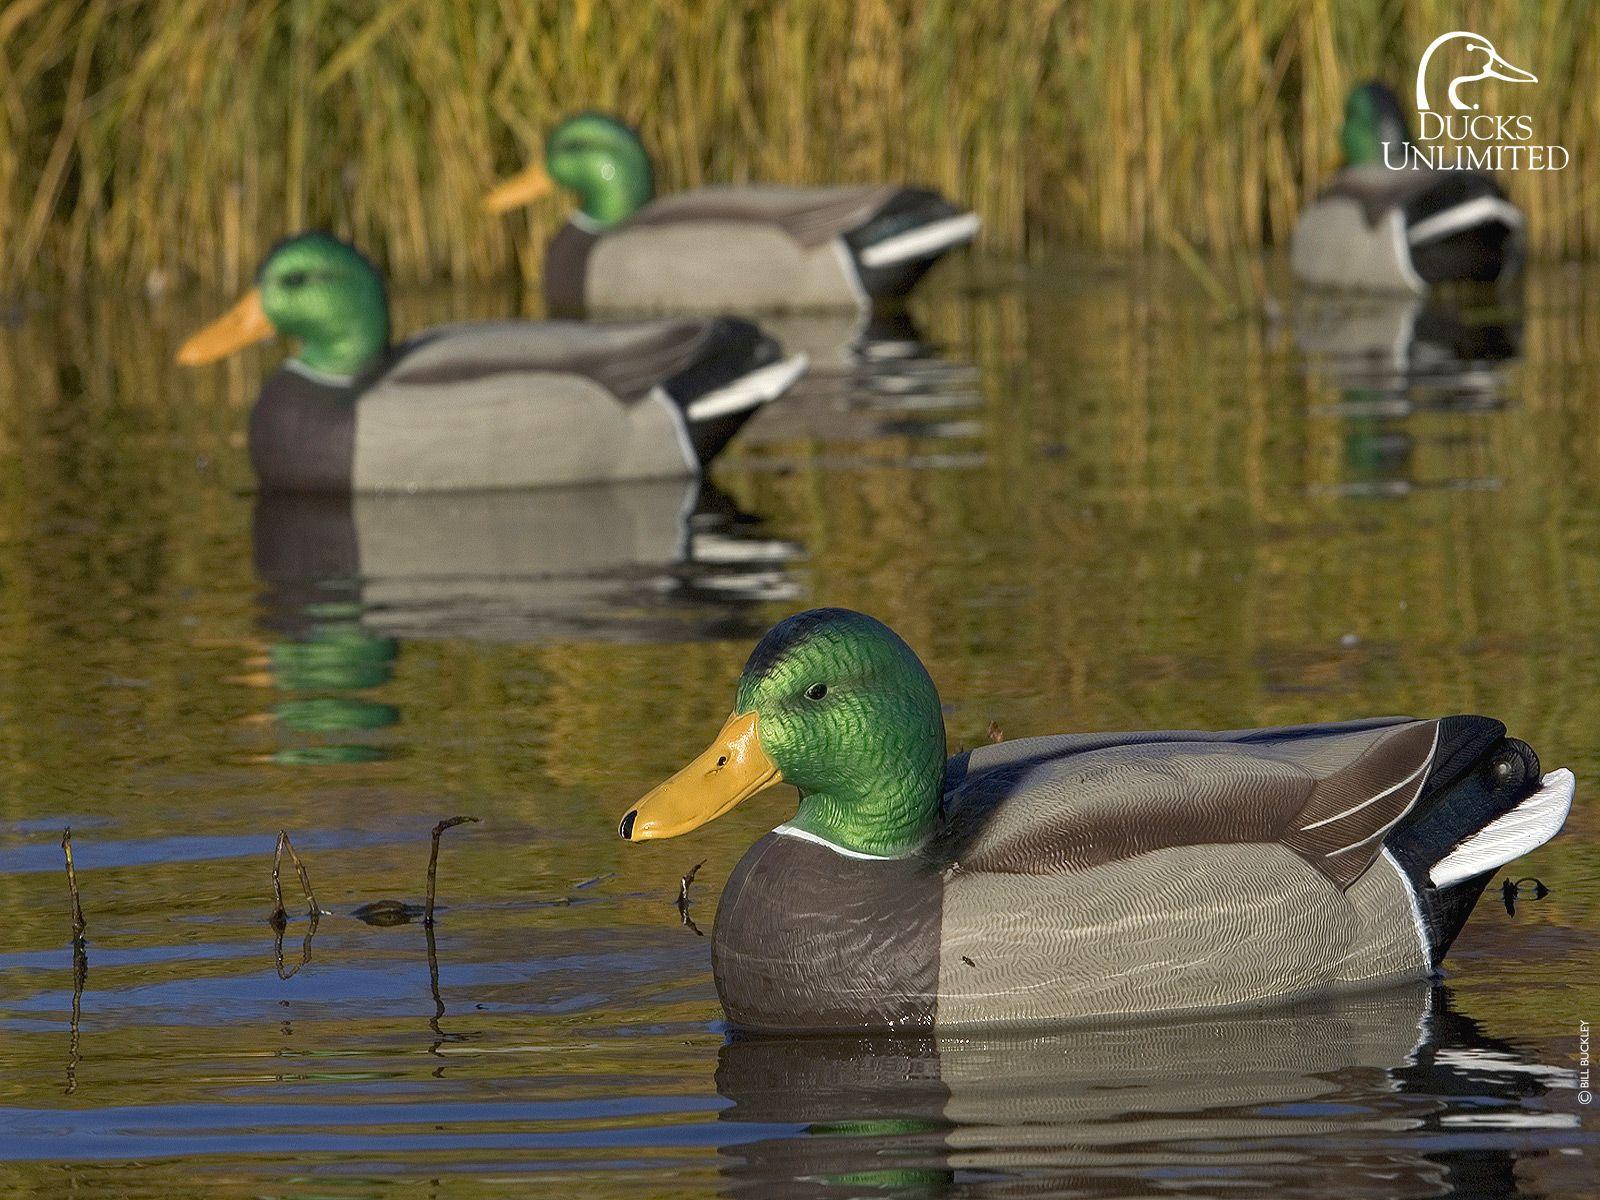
(502, 404)
(1378, 228)
(747, 248)
(1082, 875)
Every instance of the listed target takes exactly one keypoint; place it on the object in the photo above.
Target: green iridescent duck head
(1372, 117)
(596, 156)
(836, 704)
(313, 287)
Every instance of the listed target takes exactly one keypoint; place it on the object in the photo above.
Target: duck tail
(911, 232)
(1484, 804)
(739, 369)
(1465, 228)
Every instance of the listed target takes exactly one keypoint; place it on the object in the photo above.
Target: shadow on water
(1387, 1095)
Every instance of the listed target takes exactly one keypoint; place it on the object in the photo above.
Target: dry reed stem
(131, 148)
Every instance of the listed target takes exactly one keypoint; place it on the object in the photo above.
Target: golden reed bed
(157, 139)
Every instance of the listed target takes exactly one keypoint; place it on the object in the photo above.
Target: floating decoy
(1082, 875)
(503, 404)
(1382, 228)
(747, 248)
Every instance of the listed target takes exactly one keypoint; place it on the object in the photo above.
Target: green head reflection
(335, 657)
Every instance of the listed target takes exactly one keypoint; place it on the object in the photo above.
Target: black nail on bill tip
(626, 828)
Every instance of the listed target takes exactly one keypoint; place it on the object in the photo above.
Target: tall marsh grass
(163, 139)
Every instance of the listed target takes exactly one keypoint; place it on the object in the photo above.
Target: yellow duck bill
(731, 770)
(242, 325)
(524, 187)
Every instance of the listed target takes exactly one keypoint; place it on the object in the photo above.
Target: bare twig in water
(683, 898)
(80, 960)
(78, 924)
(80, 974)
(279, 915)
(312, 909)
(399, 912)
(440, 1034)
(433, 983)
(277, 946)
(433, 862)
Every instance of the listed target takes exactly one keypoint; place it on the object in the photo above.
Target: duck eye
(816, 691)
(294, 279)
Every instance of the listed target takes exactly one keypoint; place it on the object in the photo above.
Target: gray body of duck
(517, 405)
(1092, 876)
(755, 249)
(1378, 227)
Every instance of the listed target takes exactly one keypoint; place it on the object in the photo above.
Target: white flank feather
(747, 391)
(922, 242)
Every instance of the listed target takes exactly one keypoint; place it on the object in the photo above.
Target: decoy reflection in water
(505, 404)
(872, 376)
(349, 578)
(1392, 357)
(637, 562)
(1377, 228)
(1391, 1093)
(741, 248)
(328, 659)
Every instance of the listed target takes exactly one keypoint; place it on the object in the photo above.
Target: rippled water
(1088, 497)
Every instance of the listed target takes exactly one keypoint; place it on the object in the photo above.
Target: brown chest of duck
(471, 407)
(746, 248)
(1083, 875)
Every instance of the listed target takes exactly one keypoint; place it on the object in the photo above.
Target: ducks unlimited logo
(1466, 138)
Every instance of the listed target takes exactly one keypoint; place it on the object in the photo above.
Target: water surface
(1088, 497)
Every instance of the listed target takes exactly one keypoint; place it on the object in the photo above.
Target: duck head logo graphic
(1458, 136)
(1482, 53)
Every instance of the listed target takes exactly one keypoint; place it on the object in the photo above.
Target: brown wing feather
(810, 215)
(1330, 798)
(1340, 831)
(625, 358)
(1103, 805)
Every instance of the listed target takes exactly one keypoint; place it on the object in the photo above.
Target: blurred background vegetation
(156, 141)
